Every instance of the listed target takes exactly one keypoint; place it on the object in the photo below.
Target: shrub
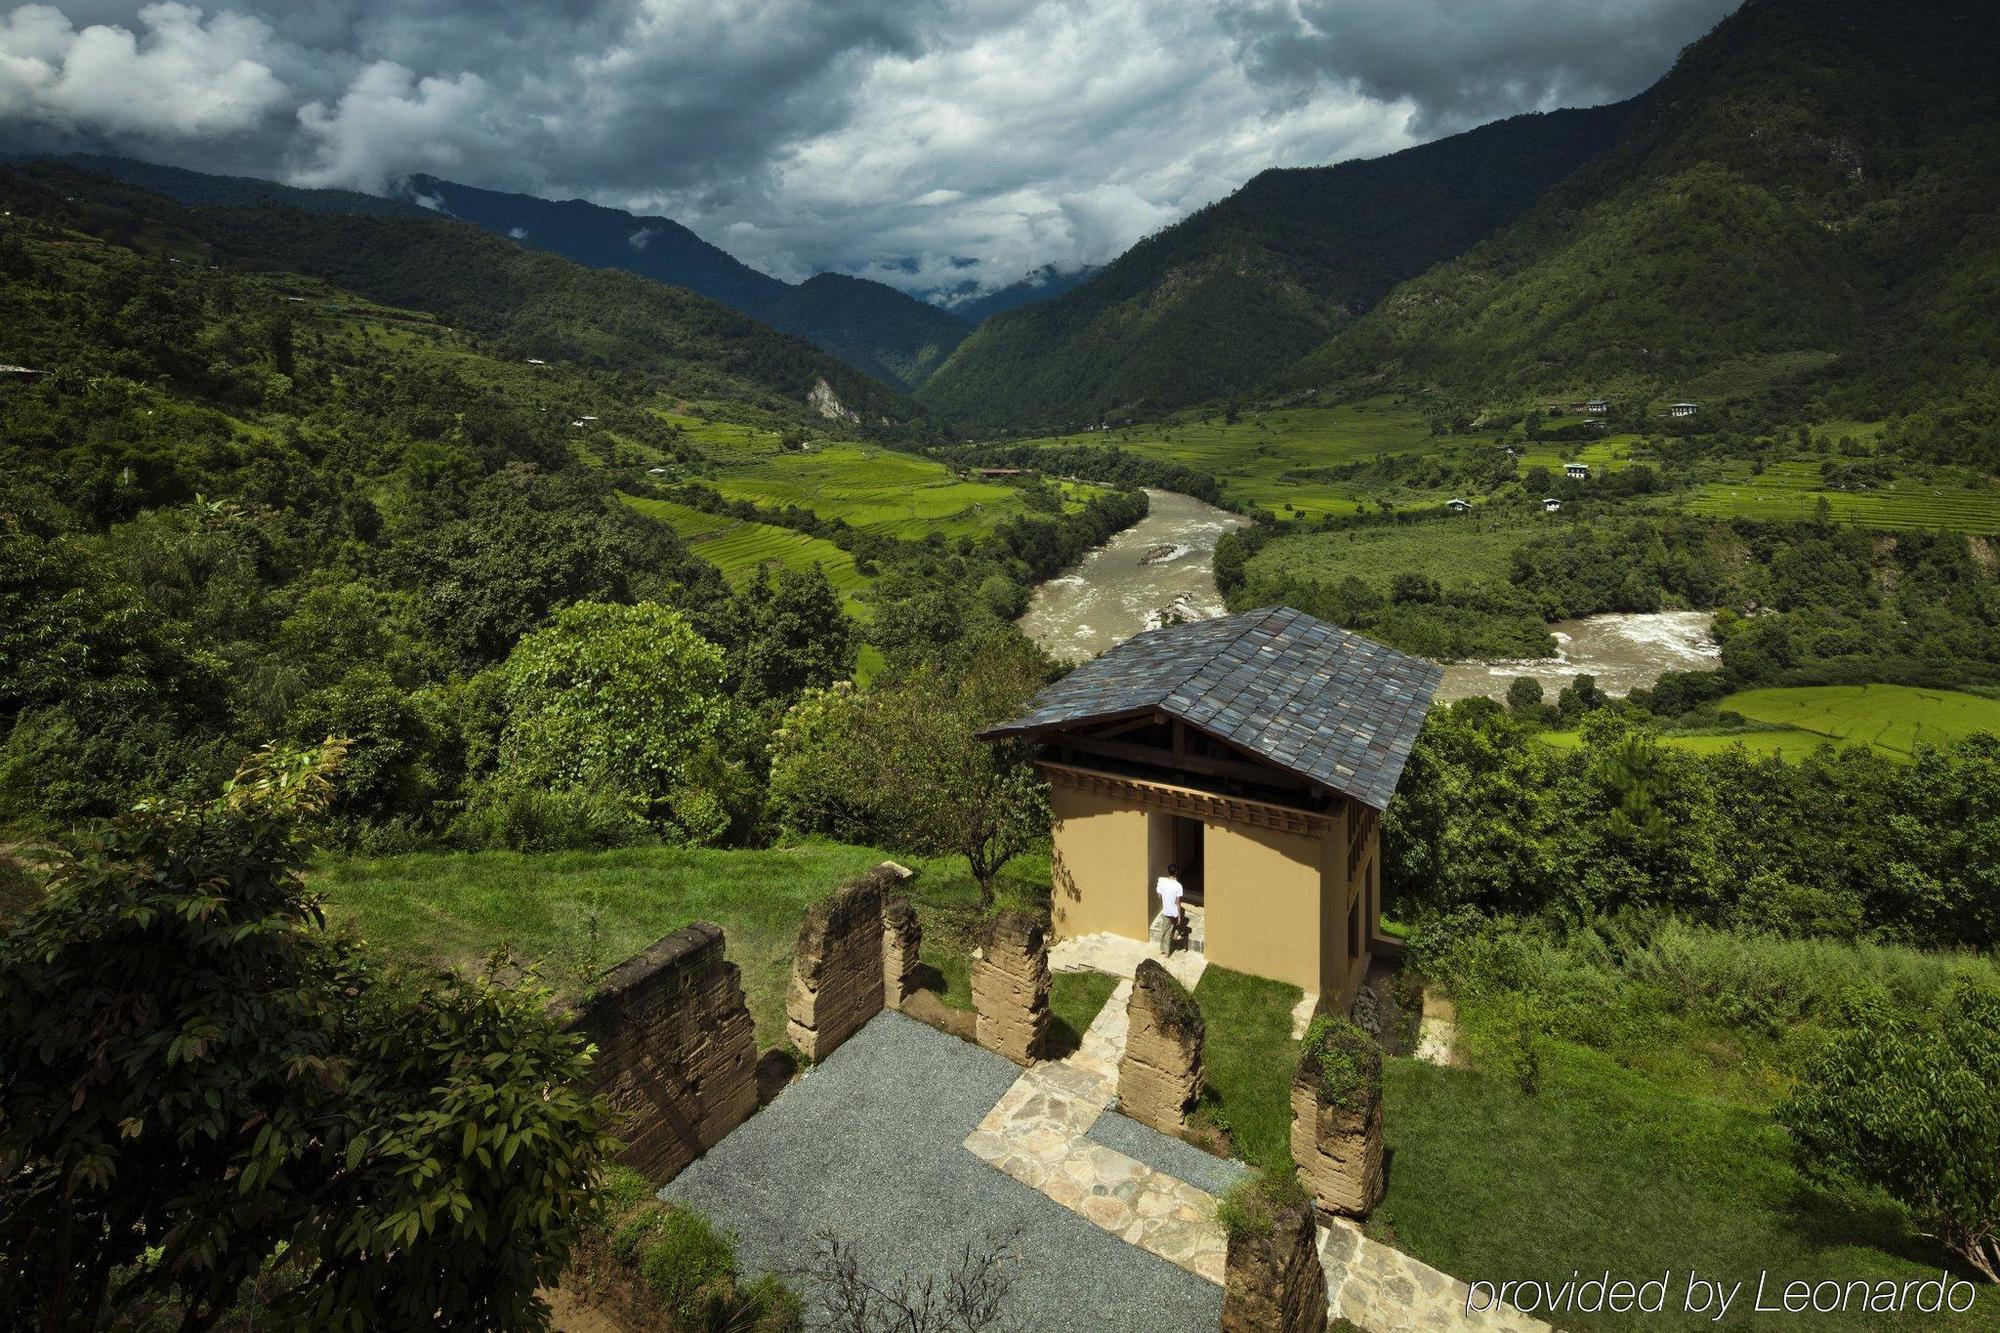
(1344, 1060)
(1248, 1209)
(1907, 1104)
(521, 817)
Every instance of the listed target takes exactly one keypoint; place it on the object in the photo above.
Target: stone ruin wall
(856, 955)
(1010, 987)
(676, 1053)
(1160, 1076)
(1338, 1150)
(1273, 1282)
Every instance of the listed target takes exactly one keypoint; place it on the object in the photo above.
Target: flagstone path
(1036, 1134)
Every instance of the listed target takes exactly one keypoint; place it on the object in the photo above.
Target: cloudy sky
(892, 138)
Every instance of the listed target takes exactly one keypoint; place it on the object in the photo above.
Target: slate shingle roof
(1305, 695)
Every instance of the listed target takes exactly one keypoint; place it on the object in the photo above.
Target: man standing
(1173, 924)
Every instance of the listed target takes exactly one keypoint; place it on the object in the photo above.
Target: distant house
(1552, 505)
(1683, 409)
(1577, 471)
(1597, 407)
(586, 418)
(20, 374)
(991, 473)
(656, 472)
(1458, 506)
(536, 361)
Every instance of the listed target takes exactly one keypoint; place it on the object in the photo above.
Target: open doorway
(1187, 849)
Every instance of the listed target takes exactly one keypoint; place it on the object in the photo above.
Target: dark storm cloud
(892, 138)
(1465, 62)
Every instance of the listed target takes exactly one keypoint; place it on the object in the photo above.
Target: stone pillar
(1160, 1076)
(1010, 987)
(676, 1054)
(1272, 1281)
(902, 941)
(836, 969)
(1337, 1118)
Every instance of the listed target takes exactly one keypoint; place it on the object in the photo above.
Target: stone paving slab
(1384, 1290)
(1118, 956)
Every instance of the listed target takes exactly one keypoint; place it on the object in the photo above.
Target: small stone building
(1256, 752)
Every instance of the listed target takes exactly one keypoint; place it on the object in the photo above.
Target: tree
(198, 1084)
(622, 698)
(965, 1299)
(904, 763)
(800, 637)
(1524, 696)
(1906, 1104)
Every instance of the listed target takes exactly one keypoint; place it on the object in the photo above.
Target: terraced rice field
(880, 490)
(1784, 744)
(1892, 718)
(1257, 458)
(740, 549)
(1793, 490)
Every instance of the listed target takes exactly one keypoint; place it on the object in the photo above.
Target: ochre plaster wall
(1264, 906)
(1101, 857)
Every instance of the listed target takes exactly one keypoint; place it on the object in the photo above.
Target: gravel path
(1182, 1160)
(871, 1145)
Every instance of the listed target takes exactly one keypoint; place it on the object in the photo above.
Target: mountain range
(1804, 206)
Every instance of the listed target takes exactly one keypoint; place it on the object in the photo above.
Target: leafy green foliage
(1906, 1105)
(617, 698)
(197, 1082)
(1344, 1062)
(903, 763)
(1486, 821)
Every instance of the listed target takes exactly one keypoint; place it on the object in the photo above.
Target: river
(1624, 652)
(1163, 562)
(1166, 561)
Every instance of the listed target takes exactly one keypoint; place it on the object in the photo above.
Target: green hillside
(1804, 205)
(527, 303)
(1216, 304)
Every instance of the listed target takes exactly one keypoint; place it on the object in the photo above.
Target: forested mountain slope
(528, 302)
(1218, 303)
(1809, 191)
(870, 325)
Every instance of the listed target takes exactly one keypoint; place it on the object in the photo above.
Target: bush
(519, 817)
(1907, 1104)
(1344, 1060)
(1247, 1210)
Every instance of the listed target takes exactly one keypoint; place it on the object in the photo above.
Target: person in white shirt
(1173, 922)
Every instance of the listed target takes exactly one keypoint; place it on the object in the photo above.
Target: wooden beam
(1263, 774)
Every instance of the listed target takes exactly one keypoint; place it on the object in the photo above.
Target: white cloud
(641, 238)
(891, 138)
(176, 78)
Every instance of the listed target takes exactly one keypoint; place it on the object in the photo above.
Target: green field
(880, 490)
(1609, 454)
(1255, 458)
(740, 548)
(1892, 718)
(1472, 548)
(1783, 744)
(1793, 490)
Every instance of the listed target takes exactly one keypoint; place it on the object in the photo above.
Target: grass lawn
(1605, 1168)
(1075, 998)
(454, 909)
(1249, 1056)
